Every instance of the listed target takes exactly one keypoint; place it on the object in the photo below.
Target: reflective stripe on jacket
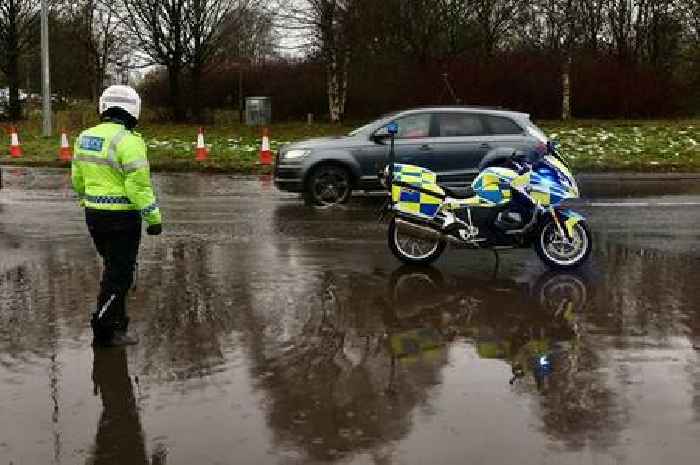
(110, 171)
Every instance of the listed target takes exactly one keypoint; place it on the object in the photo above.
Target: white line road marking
(678, 204)
(641, 204)
(618, 204)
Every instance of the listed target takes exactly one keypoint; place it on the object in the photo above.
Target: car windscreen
(371, 124)
(536, 132)
(364, 128)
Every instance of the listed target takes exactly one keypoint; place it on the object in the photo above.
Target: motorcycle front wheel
(559, 253)
(413, 250)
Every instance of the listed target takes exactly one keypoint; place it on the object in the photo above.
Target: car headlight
(296, 154)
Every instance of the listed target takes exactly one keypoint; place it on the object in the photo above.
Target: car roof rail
(460, 107)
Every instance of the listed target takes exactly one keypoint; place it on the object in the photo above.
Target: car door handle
(485, 146)
(425, 148)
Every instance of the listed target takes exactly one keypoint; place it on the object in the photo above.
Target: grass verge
(590, 145)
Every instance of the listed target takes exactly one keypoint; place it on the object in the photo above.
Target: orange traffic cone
(202, 151)
(15, 148)
(65, 153)
(265, 152)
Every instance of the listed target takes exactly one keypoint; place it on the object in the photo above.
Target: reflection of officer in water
(119, 439)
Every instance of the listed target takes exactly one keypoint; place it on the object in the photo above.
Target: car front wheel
(328, 185)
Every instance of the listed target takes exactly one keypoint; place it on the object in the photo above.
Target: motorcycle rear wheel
(411, 250)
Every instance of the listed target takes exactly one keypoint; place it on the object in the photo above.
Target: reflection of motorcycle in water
(528, 325)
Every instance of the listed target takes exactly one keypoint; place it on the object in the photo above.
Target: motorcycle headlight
(296, 154)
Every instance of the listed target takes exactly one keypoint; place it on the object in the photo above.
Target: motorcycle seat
(459, 194)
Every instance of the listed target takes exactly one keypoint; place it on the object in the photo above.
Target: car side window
(414, 126)
(460, 125)
(500, 125)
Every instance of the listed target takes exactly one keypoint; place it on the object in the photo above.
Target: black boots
(120, 339)
(109, 322)
(111, 332)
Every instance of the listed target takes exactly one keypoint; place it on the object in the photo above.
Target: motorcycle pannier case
(415, 191)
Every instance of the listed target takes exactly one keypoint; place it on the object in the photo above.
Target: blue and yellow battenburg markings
(415, 191)
(493, 185)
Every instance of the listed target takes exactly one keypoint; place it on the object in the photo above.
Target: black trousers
(117, 236)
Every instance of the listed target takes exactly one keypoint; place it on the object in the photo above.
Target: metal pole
(392, 160)
(45, 73)
(241, 102)
(392, 129)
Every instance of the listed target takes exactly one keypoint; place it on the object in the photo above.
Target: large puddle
(271, 333)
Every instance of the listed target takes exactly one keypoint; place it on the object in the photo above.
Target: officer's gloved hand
(154, 229)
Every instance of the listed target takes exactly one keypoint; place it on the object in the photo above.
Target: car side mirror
(387, 132)
(379, 138)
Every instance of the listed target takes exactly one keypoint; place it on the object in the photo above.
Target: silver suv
(454, 142)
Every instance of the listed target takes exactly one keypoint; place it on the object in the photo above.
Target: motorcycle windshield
(554, 180)
(563, 170)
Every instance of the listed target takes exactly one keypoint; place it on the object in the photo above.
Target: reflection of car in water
(528, 325)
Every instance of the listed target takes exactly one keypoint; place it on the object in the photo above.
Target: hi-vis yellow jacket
(110, 171)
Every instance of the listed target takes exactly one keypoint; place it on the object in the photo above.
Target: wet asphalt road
(272, 333)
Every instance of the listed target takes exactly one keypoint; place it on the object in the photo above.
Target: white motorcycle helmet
(124, 97)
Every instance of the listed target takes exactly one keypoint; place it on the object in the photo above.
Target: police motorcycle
(515, 204)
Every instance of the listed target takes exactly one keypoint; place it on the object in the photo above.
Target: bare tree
(330, 30)
(184, 36)
(100, 31)
(621, 26)
(557, 27)
(659, 32)
(425, 26)
(209, 24)
(494, 20)
(692, 14)
(17, 21)
(161, 31)
(592, 22)
(566, 13)
(249, 34)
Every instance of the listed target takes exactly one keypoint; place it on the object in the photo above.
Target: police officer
(111, 176)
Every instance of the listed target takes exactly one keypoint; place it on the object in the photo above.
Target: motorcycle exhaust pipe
(417, 230)
(428, 233)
